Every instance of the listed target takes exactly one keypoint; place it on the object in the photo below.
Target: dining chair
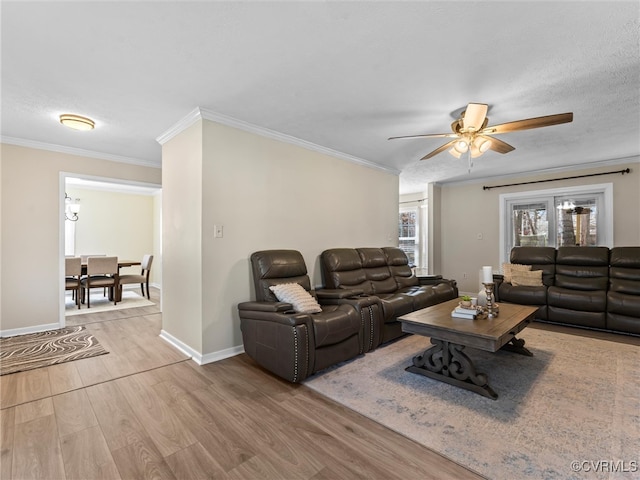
(142, 279)
(102, 272)
(73, 275)
(84, 262)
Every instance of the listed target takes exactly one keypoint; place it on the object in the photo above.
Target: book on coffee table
(460, 312)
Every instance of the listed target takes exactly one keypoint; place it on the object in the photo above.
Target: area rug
(561, 414)
(35, 350)
(100, 303)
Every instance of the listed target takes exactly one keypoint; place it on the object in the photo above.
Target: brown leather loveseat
(385, 274)
(590, 287)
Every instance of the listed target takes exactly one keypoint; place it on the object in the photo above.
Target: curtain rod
(626, 170)
(415, 201)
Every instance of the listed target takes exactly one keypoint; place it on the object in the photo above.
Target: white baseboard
(197, 356)
(25, 330)
(222, 354)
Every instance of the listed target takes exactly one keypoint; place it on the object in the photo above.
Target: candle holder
(492, 311)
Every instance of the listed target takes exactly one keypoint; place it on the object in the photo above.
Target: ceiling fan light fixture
(482, 144)
(454, 152)
(461, 146)
(77, 122)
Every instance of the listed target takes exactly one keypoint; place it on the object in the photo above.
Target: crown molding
(192, 117)
(52, 147)
(204, 114)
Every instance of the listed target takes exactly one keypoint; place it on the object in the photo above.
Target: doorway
(113, 217)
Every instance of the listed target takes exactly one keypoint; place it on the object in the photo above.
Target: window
(408, 234)
(529, 223)
(556, 218)
(412, 232)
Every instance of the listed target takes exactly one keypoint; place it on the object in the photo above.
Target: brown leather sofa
(589, 287)
(353, 320)
(383, 273)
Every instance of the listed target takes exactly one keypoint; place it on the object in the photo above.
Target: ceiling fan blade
(498, 145)
(430, 135)
(438, 150)
(528, 123)
(474, 116)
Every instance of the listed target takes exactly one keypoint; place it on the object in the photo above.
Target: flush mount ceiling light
(77, 122)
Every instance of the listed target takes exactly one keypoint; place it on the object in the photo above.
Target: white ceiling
(342, 75)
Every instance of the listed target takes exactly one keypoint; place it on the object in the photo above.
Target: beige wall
(182, 237)
(115, 223)
(266, 194)
(466, 210)
(31, 245)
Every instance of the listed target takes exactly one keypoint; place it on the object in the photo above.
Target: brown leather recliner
(623, 297)
(295, 345)
(579, 293)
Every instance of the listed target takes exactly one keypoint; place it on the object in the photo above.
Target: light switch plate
(217, 231)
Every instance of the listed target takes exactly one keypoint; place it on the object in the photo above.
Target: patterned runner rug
(35, 350)
(561, 414)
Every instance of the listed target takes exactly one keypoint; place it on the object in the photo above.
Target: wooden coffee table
(446, 361)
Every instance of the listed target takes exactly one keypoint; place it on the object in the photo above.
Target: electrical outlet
(464, 275)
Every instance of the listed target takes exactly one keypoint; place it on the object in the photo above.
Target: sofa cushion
(274, 267)
(399, 267)
(527, 278)
(523, 295)
(374, 263)
(509, 268)
(298, 297)
(395, 305)
(342, 268)
(596, 256)
(624, 272)
(577, 300)
(624, 304)
(540, 258)
(335, 324)
(581, 277)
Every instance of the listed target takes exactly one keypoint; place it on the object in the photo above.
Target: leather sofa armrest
(281, 342)
(266, 306)
(429, 279)
(338, 293)
(453, 283)
(287, 318)
(498, 279)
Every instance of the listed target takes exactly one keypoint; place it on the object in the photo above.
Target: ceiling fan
(472, 135)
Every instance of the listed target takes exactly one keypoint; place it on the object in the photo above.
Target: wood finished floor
(147, 411)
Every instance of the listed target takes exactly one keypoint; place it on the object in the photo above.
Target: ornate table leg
(516, 345)
(447, 362)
